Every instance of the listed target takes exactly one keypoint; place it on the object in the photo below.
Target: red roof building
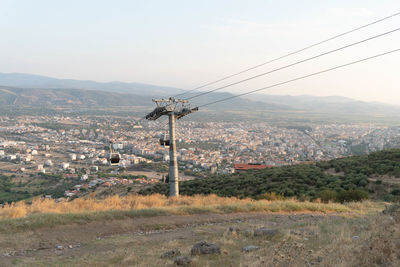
(108, 184)
(245, 167)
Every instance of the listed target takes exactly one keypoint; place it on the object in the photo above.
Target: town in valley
(74, 150)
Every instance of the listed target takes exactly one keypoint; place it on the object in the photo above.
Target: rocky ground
(244, 239)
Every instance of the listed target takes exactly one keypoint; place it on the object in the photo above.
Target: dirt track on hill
(43, 242)
(303, 239)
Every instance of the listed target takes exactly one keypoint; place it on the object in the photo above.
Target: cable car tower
(174, 109)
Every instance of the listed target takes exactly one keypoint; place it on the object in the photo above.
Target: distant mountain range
(28, 89)
(18, 89)
(326, 103)
(22, 80)
(68, 97)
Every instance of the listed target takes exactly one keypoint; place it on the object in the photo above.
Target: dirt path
(43, 243)
(49, 238)
(301, 240)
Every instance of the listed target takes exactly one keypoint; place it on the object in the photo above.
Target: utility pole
(174, 109)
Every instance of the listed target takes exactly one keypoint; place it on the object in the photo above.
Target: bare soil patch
(299, 239)
(38, 245)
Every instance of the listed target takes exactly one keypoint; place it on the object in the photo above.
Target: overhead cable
(296, 63)
(290, 54)
(302, 77)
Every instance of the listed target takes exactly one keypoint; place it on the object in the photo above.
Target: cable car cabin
(114, 159)
(164, 141)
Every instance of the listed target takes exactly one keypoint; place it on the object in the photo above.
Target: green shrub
(395, 192)
(303, 181)
(328, 195)
(352, 195)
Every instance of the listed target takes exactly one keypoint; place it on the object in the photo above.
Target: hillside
(22, 80)
(286, 233)
(327, 103)
(376, 175)
(335, 104)
(25, 93)
(95, 99)
(68, 97)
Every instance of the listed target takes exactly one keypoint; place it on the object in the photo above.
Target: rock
(248, 232)
(205, 247)
(265, 232)
(250, 248)
(10, 254)
(233, 230)
(170, 254)
(70, 246)
(183, 261)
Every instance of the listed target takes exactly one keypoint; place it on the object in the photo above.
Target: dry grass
(131, 202)
(378, 243)
(303, 240)
(180, 205)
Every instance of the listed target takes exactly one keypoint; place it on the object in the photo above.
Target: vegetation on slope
(6, 192)
(345, 179)
(39, 185)
(46, 213)
(181, 205)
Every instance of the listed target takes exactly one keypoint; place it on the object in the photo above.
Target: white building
(65, 165)
(124, 163)
(118, 146)
(11, 157)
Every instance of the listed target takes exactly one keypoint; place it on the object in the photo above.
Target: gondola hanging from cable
(114, 157)
(164, 141)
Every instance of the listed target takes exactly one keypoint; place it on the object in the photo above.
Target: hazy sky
(187, 43)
